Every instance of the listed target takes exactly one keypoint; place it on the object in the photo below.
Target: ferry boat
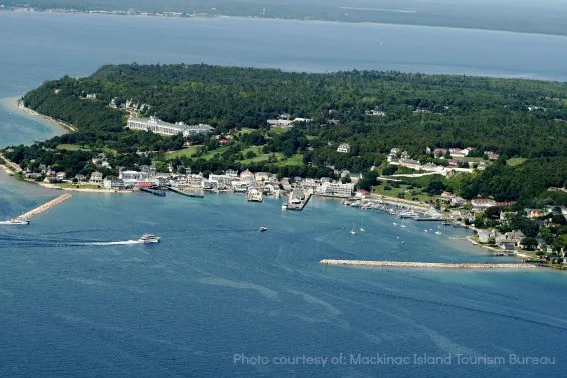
(18, 221)
(149, 238)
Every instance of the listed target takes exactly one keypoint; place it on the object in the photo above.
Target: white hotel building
(158, 126)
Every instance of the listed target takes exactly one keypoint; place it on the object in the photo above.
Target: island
(487, 153)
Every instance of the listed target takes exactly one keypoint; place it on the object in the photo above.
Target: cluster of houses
(230, 180)
(398, 157)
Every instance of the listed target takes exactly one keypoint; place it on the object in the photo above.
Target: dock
(186, 193)
(155, 192)
(429, 219)
(298, 200)
(46, 206)
(399, 264)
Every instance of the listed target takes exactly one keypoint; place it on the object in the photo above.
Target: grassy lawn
(296, 159)
(515, 161)
(72, 147)
(189, 151)
(402, 189)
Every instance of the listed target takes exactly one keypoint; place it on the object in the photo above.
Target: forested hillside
(516, 118)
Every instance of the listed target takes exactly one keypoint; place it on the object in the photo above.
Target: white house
(96, 178)
(344, 148)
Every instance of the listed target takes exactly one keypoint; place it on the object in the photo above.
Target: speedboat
(149, 238)
(19, 221)
(262, 229)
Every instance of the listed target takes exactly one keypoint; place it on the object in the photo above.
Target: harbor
(409, 264)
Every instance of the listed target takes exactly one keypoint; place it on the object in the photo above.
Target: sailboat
(362, 227)
(352, 231)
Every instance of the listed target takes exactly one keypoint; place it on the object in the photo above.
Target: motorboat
(262, 229)
(149, 238)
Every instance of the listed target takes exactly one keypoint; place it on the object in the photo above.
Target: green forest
(515, 118)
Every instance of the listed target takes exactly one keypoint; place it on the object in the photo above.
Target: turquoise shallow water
(218, 298)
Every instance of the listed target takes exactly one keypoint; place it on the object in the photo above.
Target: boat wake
(125, 242)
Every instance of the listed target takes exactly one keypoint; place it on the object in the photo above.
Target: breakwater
(408, 264)
(46, 206)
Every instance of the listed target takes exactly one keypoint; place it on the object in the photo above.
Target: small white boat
(352, 231)
(262, 229)
(149, 238)
(362, 227)
(284, 206)
(395, 224)
(438, 232)
(403, 226)
(18, 221)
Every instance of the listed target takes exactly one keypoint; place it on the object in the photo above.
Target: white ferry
(149, 238)
(18, 221)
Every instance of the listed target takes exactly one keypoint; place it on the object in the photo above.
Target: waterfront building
(132, 177)
(194, 180)
(158, 126)
(336, 189)
(222, 181)
(113, 183)
(96, 178)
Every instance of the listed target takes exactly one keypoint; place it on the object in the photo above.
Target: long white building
(158, 126)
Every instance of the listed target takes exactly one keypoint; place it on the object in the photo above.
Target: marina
(400, 264)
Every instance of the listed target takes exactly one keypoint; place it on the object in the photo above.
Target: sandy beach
(84, 190)
(29, 111)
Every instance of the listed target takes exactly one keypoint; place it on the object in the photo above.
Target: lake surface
(218, 298)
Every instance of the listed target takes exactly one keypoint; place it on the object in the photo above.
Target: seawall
(400, 264)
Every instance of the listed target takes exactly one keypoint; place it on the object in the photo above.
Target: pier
(187, 193)
(400, 264)
(298, 199)
(46, 206)
(155, 192)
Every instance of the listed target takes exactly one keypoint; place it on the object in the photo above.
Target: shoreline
(84, 190)
(100, 12)
(65, 126)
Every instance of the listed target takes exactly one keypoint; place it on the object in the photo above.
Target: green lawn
(402, 189)
(72, 147)
(296, 159)
(515, 161)
(189, 151)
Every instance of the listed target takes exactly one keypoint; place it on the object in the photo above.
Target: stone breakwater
(400, 264)
(46, 206)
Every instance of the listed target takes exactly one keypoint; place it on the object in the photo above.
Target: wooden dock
(186, 193)
(298, 206)
(400, 264)
(46, 206)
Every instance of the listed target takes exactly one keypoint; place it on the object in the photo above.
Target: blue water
(77, 299)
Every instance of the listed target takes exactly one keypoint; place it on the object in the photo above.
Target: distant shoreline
(160, 15)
